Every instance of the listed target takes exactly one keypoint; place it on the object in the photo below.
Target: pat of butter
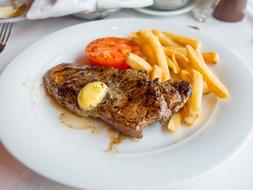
(91, 95)
(5, 12)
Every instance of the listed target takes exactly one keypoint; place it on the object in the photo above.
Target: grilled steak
(176, 95)
(132, 102)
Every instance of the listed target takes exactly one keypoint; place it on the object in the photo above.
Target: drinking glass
(202, 9)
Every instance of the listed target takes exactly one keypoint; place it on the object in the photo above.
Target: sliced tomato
(111, 51)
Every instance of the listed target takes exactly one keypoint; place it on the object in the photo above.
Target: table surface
(234, 174)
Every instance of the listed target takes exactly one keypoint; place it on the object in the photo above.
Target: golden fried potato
(173, 65)
(175, 122)
(187, 76)
(181, 50)
(138, 63)
(157, 49)
(179, 56)
(211, 57)
(184, 40)
(193, 109)
(213, 82)
(175, 62)
(165, 41)
(131, 36)
(146, 50)
(206, 89)
(156, 72)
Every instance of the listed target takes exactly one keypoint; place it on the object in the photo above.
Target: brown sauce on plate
(95, 126)
(115, 138)
(75, 122)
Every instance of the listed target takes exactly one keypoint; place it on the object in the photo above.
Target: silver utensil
(5, 31)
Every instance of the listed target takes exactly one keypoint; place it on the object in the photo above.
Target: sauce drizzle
(115, 138)
(95, 126)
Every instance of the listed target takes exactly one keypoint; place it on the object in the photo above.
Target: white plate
(31, 131)
(151, 11)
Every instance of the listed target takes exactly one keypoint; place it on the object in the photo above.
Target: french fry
(184, 40)
(175, 122)
(193, 109)
(206, 89)
(211, 57)
(173, 65)
(171, 51)
(188, 68)
(156, 72)
(138, 63)
(213, 82)
(187, 76)
(146, 50)
(181, 50)
(165, 41)
(179, 56)
(157, 49)
(131, 35)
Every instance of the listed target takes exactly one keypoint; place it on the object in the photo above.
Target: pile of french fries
(168, 55)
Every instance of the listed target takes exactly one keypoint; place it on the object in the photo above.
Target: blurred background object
(94, 15)
(165, 13)
(106, 7)
(6, 11)
(202, 9)
(230, 10)
(169, 4)
(225, 10)
(167, 8)
(13, 8)
(95, 9)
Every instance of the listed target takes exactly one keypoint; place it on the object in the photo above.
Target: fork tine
(5, 32)
(8, 32)
(2, 26)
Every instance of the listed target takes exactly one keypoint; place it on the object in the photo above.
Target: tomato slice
(111, 51)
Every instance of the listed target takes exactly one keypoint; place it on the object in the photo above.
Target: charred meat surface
(132, 102)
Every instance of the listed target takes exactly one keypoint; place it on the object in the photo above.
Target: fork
(5, 31)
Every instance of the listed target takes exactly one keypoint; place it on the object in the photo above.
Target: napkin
(54, 8)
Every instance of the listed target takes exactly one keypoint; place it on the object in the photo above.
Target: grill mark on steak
(132, 102)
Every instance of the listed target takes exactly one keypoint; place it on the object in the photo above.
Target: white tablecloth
(235, 174)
